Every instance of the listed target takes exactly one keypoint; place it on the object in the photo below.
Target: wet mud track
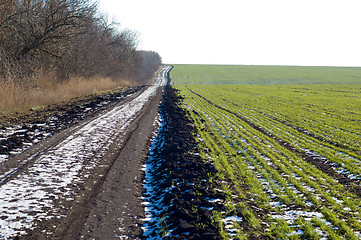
(108, 206)
(85, 181)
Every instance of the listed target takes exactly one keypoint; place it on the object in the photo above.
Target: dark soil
(180, 178)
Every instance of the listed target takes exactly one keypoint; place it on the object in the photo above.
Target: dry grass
(15, 98)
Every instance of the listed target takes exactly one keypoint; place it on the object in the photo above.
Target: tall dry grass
(44, 91)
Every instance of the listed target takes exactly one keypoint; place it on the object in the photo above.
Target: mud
(180, 193)
(108, 205)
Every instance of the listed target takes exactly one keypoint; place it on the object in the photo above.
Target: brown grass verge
(19, 98)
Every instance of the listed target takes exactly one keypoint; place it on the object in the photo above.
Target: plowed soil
(181, 195)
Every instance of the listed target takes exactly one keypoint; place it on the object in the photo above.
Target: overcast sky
(252, 32)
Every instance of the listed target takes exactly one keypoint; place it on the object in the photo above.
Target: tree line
(67, 38)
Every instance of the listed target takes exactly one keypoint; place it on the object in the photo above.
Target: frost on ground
(30, 196)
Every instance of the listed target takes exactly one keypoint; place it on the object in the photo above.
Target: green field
(289, 155)
(243, 74)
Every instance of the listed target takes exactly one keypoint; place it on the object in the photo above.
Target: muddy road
(84, 182)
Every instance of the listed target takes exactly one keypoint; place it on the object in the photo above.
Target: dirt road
(84, 182)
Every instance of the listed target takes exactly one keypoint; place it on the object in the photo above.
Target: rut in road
(46, 187)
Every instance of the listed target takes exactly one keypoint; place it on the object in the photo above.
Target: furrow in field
(299, 129)
(334, 118)
(296, 142)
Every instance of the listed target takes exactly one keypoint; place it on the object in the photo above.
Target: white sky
(264, 32)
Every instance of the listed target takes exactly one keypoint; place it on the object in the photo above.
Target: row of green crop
(348, 161)
(277, 193)
(334, 116)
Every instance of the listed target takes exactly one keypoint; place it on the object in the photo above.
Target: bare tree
(46, 24)
(68, 37)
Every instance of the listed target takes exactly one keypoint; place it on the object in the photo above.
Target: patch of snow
(291, 215)
(3, 157)
(229, 224)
